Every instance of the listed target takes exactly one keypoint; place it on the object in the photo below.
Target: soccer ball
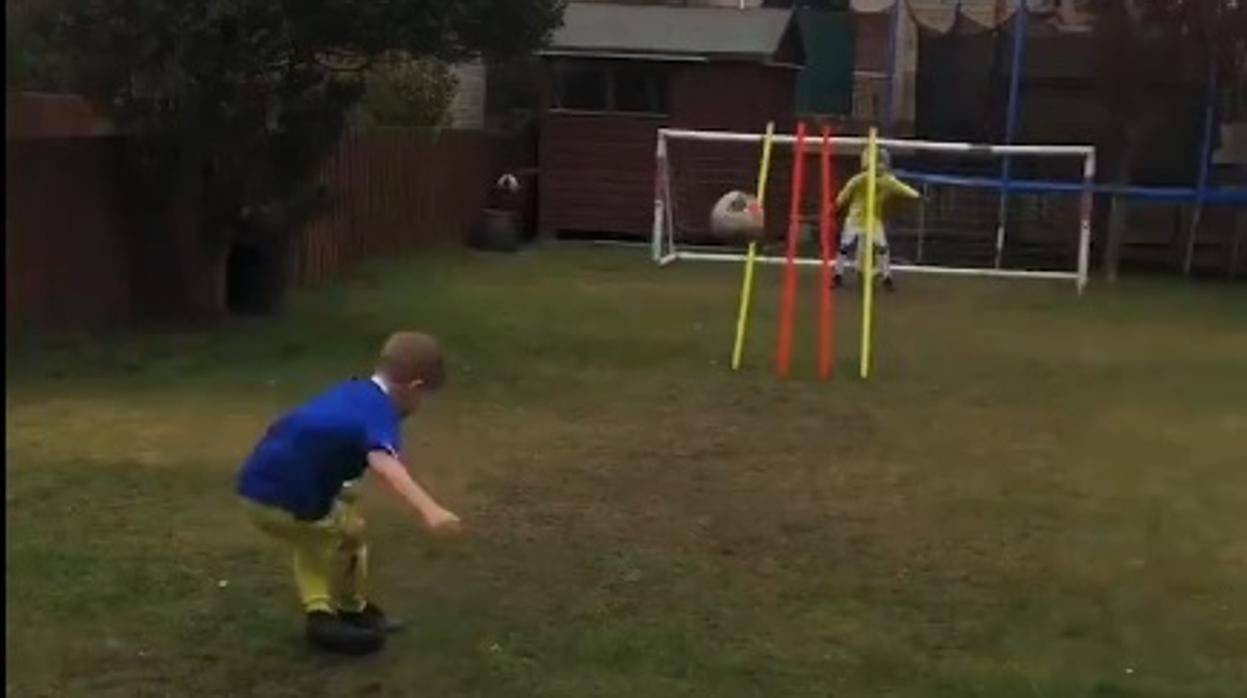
(737, 215)
(508, 183)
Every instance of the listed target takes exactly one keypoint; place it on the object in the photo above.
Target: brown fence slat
(67, 237)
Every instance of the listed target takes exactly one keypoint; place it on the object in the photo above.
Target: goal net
(1016, 211)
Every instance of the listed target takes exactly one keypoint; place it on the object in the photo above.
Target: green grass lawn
(1036, 494)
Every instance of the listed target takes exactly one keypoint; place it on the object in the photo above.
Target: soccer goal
(1012, 211)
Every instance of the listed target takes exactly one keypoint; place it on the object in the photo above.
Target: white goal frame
(665, 251)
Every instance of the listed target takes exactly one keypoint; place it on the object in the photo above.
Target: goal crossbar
(855, 143)
(665, 251)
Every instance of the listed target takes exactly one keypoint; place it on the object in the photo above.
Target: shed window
(640, 89)
(583, 87)
(605, 87)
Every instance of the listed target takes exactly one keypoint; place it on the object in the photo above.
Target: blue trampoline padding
(1225, 195)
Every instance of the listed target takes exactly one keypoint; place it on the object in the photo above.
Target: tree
(30, 64)
(1146, 45)
(233, 104)
(407, 91)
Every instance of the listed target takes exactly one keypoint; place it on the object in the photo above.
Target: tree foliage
(1147, 42)
(407, 91)
(244, 98)
(1151, 50)
(31, 61)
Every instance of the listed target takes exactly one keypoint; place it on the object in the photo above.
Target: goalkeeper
(887, 187)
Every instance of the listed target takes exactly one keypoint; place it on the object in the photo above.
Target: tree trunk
(1119, 207)
(179, 264)
(1119, 214)
(275, 274)
(1238, 243)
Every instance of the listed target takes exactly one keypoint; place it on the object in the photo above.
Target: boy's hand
(443, 522)
(436, 517)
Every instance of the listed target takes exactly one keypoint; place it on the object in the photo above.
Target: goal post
(954, 229)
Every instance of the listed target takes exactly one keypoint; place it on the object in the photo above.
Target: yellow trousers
(330, 557)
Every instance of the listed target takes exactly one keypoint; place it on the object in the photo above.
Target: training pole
(783, 353)
(867, 249)
(751, 258)
(826, 220)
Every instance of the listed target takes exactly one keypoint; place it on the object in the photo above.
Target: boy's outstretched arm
(437, 518)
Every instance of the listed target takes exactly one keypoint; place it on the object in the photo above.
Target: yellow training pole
(746, 288)
(867, 248)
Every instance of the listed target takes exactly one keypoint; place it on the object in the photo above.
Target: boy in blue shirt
(298, 484)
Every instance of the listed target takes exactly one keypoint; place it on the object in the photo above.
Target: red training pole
(826, 217)
(788, 302)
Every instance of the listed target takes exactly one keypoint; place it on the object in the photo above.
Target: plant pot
(496, 231)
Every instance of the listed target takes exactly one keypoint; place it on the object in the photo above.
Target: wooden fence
(70, 248)
(395, 191)
(67, 242)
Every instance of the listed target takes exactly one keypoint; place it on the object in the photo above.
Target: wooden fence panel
(66, 236)
(397, 190)
(70, 248)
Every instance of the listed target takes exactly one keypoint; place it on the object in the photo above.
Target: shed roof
(654, 30)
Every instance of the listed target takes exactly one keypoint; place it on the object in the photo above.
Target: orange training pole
(827, 238)
(783, 358)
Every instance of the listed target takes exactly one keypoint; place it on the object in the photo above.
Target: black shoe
(372, 618)
(837, 281)
(328, 632)
(888, 285)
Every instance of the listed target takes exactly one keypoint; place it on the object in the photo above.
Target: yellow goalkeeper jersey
(854, 193)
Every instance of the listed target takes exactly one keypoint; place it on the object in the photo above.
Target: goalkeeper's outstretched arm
(846, 193)
(901, 188)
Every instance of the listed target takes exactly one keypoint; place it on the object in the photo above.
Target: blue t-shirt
(305, 457)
